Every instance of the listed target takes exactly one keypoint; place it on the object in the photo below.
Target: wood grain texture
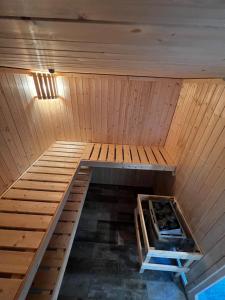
(128, 156)
(197, 141)
(29, 212)
(59, 247)
(150, 38)
(25, 126)
(114, 109)
(99, 108)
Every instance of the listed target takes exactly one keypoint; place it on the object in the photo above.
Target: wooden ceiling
(160, 38)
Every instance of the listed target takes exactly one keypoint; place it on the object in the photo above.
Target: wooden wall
(163, 38)
(98, 108)
(115, 109)
(25, 126)
(197, 140)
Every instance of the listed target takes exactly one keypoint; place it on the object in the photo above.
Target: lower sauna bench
(48, 279)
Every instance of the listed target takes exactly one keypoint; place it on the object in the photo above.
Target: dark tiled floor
(103, 261)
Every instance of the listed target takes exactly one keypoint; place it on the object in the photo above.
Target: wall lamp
(45, 84)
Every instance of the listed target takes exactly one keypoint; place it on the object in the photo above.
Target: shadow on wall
(161, 182)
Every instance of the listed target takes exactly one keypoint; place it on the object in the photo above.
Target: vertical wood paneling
(26, 126)
(197, 141)
(98, 108)
(115, 109)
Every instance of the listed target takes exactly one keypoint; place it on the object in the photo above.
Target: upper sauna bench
(128, 156)
(31, 208)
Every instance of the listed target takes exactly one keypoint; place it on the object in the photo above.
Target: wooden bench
(48, 279)
(31, 207)
(128, 156)
(29, 212)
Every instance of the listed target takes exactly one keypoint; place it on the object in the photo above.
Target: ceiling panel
(147, 38)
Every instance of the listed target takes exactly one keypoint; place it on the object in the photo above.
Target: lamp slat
(46, 86)
(40, 78)
(37, 86)
(51, 86)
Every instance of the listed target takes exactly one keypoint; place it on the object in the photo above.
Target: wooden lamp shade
(45, 84)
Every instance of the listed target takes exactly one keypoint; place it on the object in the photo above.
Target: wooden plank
(45, 279)
(48, 170)
(82, 176)
(75, 197)
(20, 239)
(127, 155)
(119, 153)
(111, 153)
(64, 227)
(66, 150)
(38, 185)
(52, 259)
(60, 159)
(96, 151)
(14, 262)
(59, 241)
(80, 183)
(71, 143)
(104, 152)
(158, 156)
(60, 245)
(72, 206)
(142, 155)
(142, 221)
(138, 238)
(33, 195)
(150, 155)
(9, 287)
(134, 155)
(166, 156)
(46, 177)
(88, 151)
(78, 189)
(69, 246)
(68, 146)
(43, 163)
(24, 221)
(160, 267)
(62, 154)
(68, 216)
(28, 207)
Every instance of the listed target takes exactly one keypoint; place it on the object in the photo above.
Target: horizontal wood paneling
(152, 38)
(197, 140)
(25, 126)
(115, 109)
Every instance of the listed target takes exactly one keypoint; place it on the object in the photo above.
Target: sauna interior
(100, 100)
